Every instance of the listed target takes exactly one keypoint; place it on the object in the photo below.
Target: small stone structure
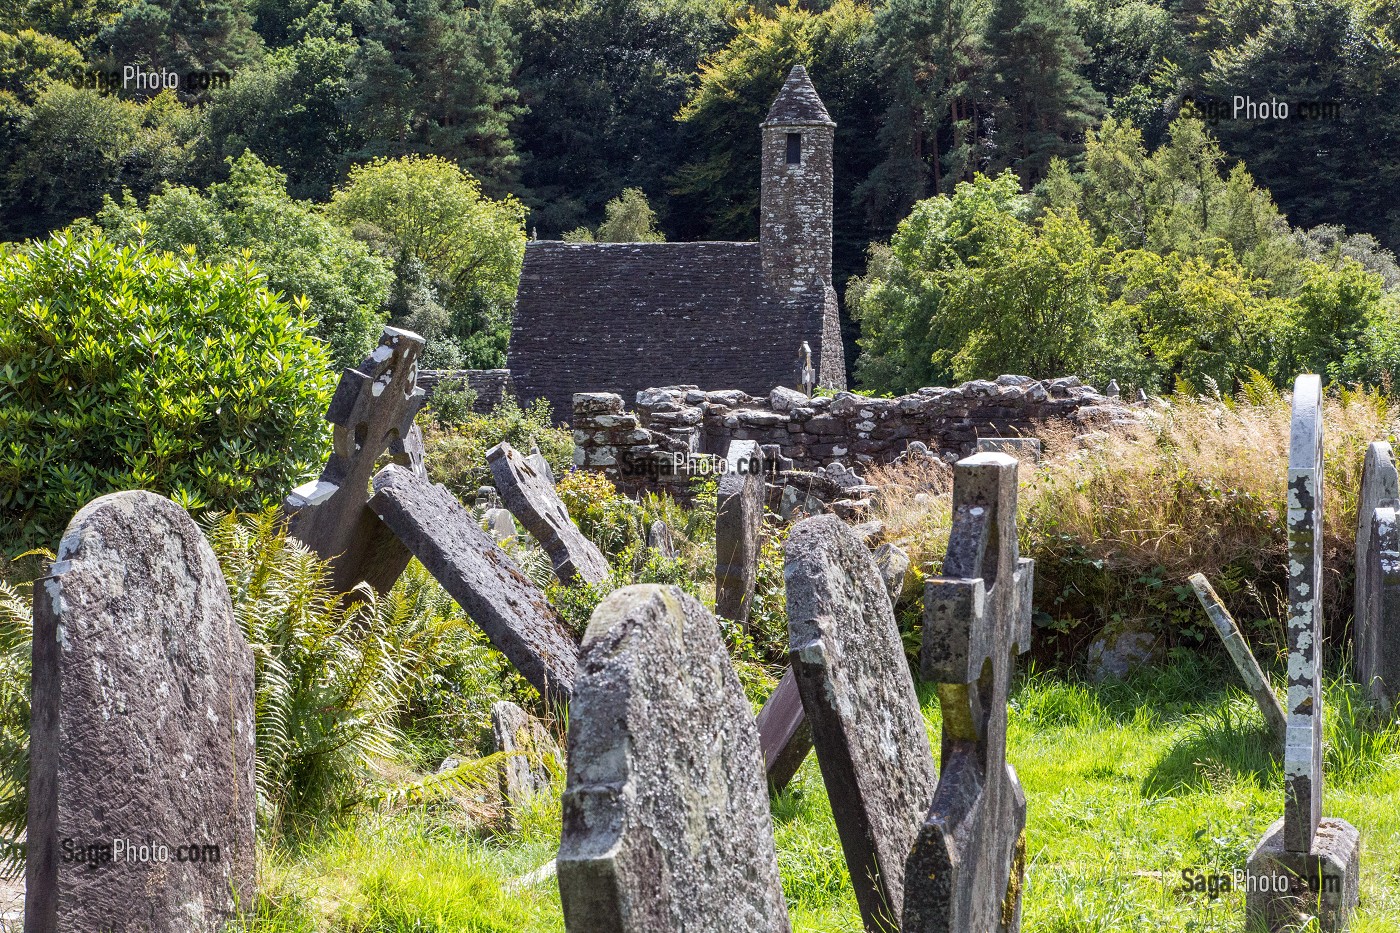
(1305, 866)
(966, 869)
(529, 494)
(659, 444)
(666, 822)
(141, 796)
(1380, 486)
(858, 694)
(492, 386)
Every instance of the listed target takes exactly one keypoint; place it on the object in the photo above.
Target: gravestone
(666, 822)
(967, 867)
(508, 607)
(500, 525)
(372, 411)
(1305, 865)
(530, 496)
(536, 459)
(1253, 676)
(661, 539)
(532, 750)
(893, 564)
(1379, 484)
(738, 527)
(784, 734)
(141, 796)
(1382, 646)
(869, 733)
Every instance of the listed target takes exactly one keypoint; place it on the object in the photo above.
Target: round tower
(795, 210)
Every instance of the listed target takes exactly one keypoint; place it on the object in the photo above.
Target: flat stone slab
(529, 494)
(871, 741)
(1285, 890)
(666, 822)
(510, 609)
(784, 733)
(141, 796)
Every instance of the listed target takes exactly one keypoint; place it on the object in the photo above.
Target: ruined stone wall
(490, 385)
(639, 448)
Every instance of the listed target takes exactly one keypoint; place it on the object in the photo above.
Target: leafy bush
(456, 450)
(122, 369)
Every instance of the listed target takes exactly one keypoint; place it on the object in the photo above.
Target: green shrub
(120, 369)
(456, 449)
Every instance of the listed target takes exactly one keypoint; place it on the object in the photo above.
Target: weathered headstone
(500, 525)
(510, 609)
(893, 563)
(1382, 644)
(661, 539)
(1379, 484)
(1233, 639)
(372, 411)
(738, 526)
(666, 822)
(536, 459)
(859, 697)
(141, 797)
(965, 870)
(784, 734)
(531, 498)
(1305, 865)
(1112, 391)
(532, 750)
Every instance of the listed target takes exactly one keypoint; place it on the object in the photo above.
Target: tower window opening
(794, 148)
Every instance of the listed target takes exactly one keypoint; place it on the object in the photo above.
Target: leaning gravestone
(784, 733)
(859, 697)
(1305, 866)
(510, 609)
(666, 822)
(966, 869)
(1381, 667)
(530, 496)
(141, 797)
(738, 527)
(372, 411)
(1379, 484)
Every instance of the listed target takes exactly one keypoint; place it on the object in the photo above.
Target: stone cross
(505, 603)
(738, 529)
(372, 412)
(1380, 639)
(1379, 484)
(529, 495)
(858, 693)
(967, 865)
(141, 796)
(1316, 860)
(666, 820)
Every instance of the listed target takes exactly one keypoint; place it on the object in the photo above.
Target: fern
(16, 634)
(468, 777)
(1258, 389)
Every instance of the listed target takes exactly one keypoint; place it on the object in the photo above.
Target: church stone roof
(621, 317)
(798, 103)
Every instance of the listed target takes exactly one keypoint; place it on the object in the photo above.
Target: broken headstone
(858, 694)
(530, 496)
(967, 867)
(1235, 645)
(141, 796)
(666, 821)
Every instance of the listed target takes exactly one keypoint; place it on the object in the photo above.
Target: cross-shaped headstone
(372, 411)
(1305, 866)
(1379, 483)
(966, 867)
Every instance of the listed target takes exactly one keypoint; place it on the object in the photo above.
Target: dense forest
(1185, 189)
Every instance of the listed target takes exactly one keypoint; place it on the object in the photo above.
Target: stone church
(621, 317)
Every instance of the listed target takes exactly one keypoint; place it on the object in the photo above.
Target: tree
(29, 60)
(1040, 106)
(302, 253)
(428, 210)
(184, 36)
(630, 219)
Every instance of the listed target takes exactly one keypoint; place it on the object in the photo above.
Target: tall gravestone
(867, 727)
(372, 411)
(1305, 865)
(1380, 664)
(529, 493)
(1380, 485)
(141, 797)
(965, 870)
(738, 529)
(666, 822)
(506, 604)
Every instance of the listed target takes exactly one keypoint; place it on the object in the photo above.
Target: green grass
(1127, 784)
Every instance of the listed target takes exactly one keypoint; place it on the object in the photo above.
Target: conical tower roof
(798, 104)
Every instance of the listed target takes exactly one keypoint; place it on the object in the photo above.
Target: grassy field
(1128, 786)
